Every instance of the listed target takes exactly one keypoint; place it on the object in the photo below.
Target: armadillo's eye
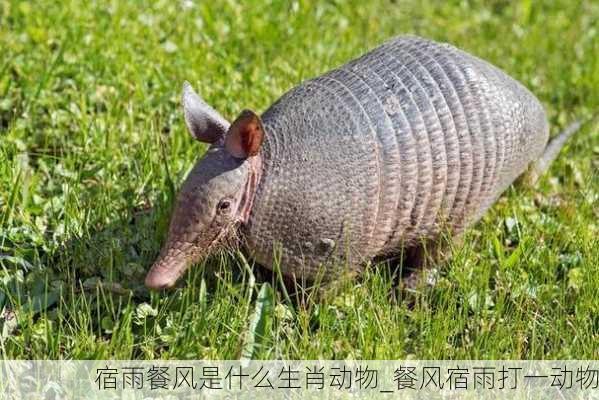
(224, 206)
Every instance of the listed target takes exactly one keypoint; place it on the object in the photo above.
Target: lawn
(93, 148)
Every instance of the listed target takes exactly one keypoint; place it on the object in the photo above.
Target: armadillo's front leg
(422, 261)
(321, 289)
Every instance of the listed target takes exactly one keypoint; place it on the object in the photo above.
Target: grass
(93, 147)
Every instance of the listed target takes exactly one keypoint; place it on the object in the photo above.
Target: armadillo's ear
(245, 135)
(203, 122)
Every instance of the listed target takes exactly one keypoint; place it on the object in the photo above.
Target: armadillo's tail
(555, 145)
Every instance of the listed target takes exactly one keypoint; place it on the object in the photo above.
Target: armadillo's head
(217, 195)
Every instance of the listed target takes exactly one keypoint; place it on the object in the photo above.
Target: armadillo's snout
(165, 273)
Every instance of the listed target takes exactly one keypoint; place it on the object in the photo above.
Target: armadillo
(412, 140)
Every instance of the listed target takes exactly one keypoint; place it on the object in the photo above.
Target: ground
(93, 148)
